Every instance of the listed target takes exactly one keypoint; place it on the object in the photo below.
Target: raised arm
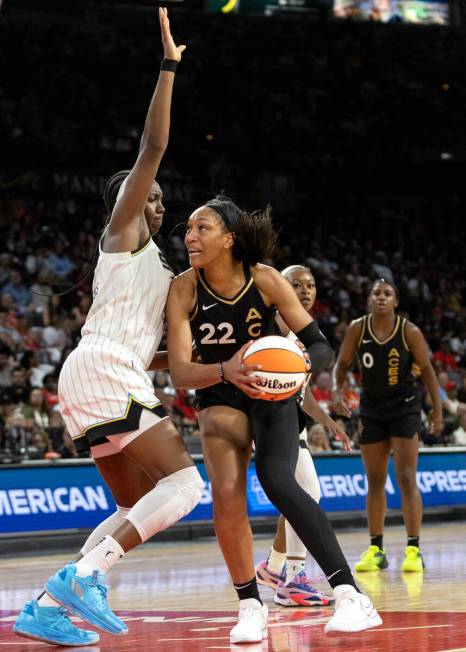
(418, 347)
(345, 358)
(127, 220)
(278, 292)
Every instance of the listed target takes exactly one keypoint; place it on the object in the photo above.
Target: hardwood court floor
(178, 597)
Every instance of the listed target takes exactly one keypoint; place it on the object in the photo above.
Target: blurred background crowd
(354, 133)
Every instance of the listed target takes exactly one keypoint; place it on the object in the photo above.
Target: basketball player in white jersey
(107, 399)
(289, 580)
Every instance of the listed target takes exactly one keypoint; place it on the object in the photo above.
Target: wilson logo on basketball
(276, 384)
(282, 367)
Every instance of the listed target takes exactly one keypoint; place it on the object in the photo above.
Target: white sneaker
(354, 611)
(252, 622)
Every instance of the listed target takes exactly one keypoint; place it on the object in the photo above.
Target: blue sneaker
(51, 625)
(86, 597)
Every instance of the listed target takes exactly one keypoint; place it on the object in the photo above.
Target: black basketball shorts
(377, 430)
(222, 394)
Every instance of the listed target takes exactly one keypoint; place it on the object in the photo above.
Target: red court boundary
(290, 630)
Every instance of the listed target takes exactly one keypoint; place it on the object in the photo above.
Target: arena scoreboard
(423, 12)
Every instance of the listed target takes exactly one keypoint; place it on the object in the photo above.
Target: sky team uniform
(103, 386)
(221, 326)
(390, 404)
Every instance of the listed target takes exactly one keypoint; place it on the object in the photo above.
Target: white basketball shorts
(103, 389)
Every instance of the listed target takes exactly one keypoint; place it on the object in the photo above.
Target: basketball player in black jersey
(225, 300)
(388, 345)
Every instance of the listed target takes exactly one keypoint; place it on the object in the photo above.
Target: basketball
(283, 366)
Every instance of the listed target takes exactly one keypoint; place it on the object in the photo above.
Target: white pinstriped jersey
(130, 291)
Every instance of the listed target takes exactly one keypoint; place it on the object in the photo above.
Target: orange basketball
(283, 366)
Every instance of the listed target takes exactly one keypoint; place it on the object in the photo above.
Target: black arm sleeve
(318, 347)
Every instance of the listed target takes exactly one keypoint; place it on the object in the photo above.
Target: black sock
(413, 541)
(377, 540)
(248, 590)
(342, 576)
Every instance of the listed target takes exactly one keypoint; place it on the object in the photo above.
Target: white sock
(276, 560)
(102, 557)
(46, 601)
(294, 546)
(293, 567)
(106, 527)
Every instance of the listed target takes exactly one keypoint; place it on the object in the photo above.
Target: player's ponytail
(254, 235)
(255, 238)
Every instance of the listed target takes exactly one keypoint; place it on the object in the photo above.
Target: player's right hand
(170, 50)
(241, 375)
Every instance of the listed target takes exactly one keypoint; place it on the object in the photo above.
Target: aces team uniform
(220, 326)
(390, 405)
(103, 387)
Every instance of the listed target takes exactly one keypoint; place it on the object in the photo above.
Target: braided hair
(111, 189)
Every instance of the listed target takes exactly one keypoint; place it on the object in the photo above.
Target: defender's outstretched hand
(170, 50)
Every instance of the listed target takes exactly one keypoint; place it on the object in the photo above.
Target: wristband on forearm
(318, 347)
(311, 334)
(169, 65)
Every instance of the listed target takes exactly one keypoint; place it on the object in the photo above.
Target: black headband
(227, 211)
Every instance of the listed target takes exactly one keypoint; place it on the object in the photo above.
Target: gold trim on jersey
(363, 329)
(125, 416)
(139, 251)
(194, 311)
(403, 333)
(230, 302)
(392, 334)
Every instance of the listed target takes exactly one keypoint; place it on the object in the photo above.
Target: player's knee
(376, 481)
(189, 483)
(277, 480)
(226, 492)
(171, 499)
(407, 480)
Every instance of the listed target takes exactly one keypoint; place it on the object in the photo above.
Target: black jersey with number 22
(220, 326)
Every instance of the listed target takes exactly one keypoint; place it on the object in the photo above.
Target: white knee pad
(106, 527)
(170, 499)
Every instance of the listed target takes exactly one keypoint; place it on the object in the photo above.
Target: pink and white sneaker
(300, 592)
(266, 576)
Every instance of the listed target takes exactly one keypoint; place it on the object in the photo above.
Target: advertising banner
(64, 497)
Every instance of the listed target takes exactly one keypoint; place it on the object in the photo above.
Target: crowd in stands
(354, 133)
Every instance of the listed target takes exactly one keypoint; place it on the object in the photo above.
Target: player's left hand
(170, 50)
(339, 434)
